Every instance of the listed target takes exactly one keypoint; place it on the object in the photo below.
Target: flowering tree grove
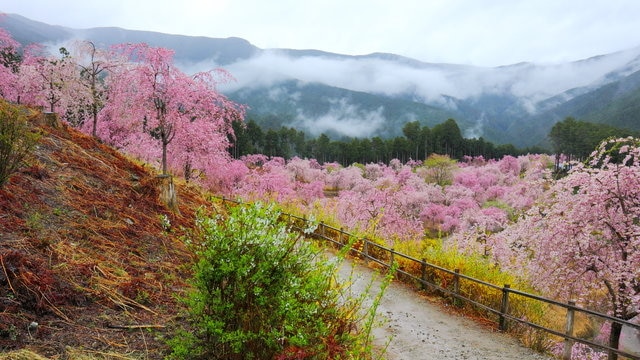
(401, 202)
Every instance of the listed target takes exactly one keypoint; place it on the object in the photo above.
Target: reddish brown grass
(82, 248)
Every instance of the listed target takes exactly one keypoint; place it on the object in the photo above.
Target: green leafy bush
(16, 140)
(262, 292)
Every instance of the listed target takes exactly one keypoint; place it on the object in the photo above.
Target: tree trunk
(614, 340)
(164, 157)
(187, 171)
(94, 113)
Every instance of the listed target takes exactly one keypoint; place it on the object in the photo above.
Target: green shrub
(261, 292)
(16, 140)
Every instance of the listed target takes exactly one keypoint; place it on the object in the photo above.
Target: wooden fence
(503, 301)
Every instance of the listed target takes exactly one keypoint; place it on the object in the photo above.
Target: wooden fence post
(391, 257)
(504, 308)
(365, 248)
(568, 343)
(456, 287)
(423, 273)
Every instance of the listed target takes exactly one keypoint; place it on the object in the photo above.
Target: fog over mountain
(430, 83)
(374, 95)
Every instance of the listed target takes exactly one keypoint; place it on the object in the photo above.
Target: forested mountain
(376, 94)
(317, 108)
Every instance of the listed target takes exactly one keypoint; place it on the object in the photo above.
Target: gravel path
(415, 328)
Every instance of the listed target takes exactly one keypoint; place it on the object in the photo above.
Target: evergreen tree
(448, 139)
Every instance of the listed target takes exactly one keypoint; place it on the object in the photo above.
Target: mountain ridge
(515, 103)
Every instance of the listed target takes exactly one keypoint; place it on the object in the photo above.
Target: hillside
(87, 253)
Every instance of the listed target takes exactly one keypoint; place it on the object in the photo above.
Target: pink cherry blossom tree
(9, 65)
(152, 104)
(92, 65)
(46, 80)
(584, 238)
(268, 180)
(228, 178)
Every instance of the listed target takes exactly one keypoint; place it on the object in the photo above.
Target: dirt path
(415, 328)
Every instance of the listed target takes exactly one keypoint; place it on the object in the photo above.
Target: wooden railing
(449, 283)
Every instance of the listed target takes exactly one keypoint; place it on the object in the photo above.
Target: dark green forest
(576, 139)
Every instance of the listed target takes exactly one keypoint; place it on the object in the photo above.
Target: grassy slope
(83, 250)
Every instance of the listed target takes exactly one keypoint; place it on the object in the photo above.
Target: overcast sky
(476, 32)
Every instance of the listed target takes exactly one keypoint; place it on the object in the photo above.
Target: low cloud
(278, 93)
(429, 83)
(477, 129)
(343, 119)
(357, 74)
